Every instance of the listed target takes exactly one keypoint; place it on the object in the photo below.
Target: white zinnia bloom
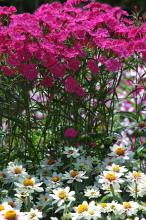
(62, 195)
(30, 184)
(34, 214)
(86, 211)
(92, 192)
(74, 175)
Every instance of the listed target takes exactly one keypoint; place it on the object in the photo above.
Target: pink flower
(70, 84)
(47, 81)
(113, 65)
(29, 71)
(7, 70)
(80, 91)
(92, 65)
(70, 133)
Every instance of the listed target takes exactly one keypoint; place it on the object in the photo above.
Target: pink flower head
(70, 84)
(29, 71)
(70, 133)
(7, 71)
(47, 82)
(113, 65)
(80, 91)
(92, 65)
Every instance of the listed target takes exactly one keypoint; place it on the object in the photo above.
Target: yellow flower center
(127, 205)
(17, 170)
(116, 168)
(93, 193)
(74, 173)
(136, 174)
(103, 205)
(55, 179)
(62, 194)
(110, 176)
(91, 212)
(10, 215)
(113, 207)
(82, 208)
(28, 182)
(120, 151)
(51, 161)
(2, 208)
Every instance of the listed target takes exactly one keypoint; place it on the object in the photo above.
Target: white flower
(75, 175)
(136, 176)
(86, 211)
(14, 171)
(34, 214)
(110, 178)
(117, 169)
(120, 151)
(104, 207)
(11, 214)
(136, 190)
(30, 184)
(128, 208)
(62, 195)
(13, 202)
(92, 192)
(71, 152)
(53, 181)
(22, 194)
(51, 164)
(114, 206)
(107, 188)
(84, 163)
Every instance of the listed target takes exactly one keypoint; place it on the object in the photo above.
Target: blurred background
(31, 5)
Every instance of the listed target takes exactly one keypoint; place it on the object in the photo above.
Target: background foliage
(31, 5)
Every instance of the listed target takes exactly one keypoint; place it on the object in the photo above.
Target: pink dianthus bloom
(70, 133)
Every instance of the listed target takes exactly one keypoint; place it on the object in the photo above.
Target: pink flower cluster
(53, 43)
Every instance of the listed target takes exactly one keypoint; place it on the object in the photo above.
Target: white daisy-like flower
(13, 202)
(62, 195)
(86, 211)
(44, 198)
(30, 184)
(128, 208)
(114, 206)
(117, 168)
(83, 163)
(136, 190)
(22, 194)
(104, 207)
(110, 178)
(136, 176)
(74, 175)
(107, 189)
(54, 180)
(11, 214)
(92, 192)
(34, 214)
(120, 151)
(51, 163)
(14, 171)
(71, 152)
